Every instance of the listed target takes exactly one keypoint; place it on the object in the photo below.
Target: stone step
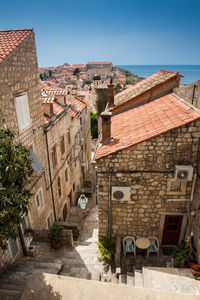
(9, 293)
(12, 286)
(41, 259)
(95, 275)
(170, 279)
(139, 279)
(122, 279)
(28, 266)
(130, 280)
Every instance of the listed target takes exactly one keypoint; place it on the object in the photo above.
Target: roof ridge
(10, 30)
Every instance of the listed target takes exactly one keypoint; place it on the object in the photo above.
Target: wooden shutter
(22, 111)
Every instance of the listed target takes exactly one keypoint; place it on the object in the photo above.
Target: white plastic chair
(154, 246)
(129, 245)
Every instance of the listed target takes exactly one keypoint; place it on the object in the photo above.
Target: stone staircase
(13, 280)
(165, 279)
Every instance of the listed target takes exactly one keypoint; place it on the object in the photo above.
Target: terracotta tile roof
(78, 66)
(147, 121)
(144, 85)
(57, 108)
(73, 112)
(46, 99)
(56, 92)
(80, 104)
(10, 40)
(99, 63)
(46, 119)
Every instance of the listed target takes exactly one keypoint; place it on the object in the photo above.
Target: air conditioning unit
(183, 172)
(121, 193)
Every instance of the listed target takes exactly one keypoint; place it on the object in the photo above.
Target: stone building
(68, 138)
(146, 90)
(191, 93)
(146, 168)
(100, 69)
(57, 131)
(21, 111)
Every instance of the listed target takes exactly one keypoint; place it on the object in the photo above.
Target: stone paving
(82, 260)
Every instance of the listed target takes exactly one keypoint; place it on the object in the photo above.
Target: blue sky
(121, 31)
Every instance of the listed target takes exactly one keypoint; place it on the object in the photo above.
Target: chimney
(106, 127)
(51, 108)
(110, 95)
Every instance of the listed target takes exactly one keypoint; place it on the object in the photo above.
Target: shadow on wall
(40, 287)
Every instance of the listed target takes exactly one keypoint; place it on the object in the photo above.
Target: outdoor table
(143, 243)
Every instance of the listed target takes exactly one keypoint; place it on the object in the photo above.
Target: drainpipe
(193, 93)
(49, 167)
(109, 230)
(21, 237)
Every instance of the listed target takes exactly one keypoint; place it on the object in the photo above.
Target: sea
(191, 73)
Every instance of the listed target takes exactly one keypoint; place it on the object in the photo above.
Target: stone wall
(76, 159)
(190, 92)
(148, 169)
(19, 74)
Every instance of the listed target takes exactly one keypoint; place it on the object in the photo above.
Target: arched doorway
(65, 212)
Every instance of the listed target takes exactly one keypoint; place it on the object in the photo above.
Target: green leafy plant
(118, 86)
(15, 198)
(106, 248)
(55, 235)
(94, 125)
(181, 255)
(29, 232)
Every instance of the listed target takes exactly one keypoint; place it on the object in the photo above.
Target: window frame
(54, 157)
(41, 204)
(23, 116)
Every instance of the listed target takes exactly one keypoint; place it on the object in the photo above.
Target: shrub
(106, 248)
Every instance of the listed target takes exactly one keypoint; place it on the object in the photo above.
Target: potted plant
(55, 235)
(182, 255)
(106, 248)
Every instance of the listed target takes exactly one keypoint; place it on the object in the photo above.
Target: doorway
(65, 212)
(172, 229)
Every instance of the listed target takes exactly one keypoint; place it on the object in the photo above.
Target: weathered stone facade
(147, 168)
(190, 92)
(98, 69)
(74, 162)
(19, 74)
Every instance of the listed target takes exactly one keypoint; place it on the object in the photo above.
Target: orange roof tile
(57, 108)
(46, 119)
(10, 40)
(99, 63)
(79, 103)
(147, 121)
(73, 112)
(144, 85)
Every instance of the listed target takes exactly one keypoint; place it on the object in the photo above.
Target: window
(74, 186)
(59, 187)
(54, 157)
(49, 221)
(22, 109)
(62, 145)
(36, 163)
(68, 135)
(39, 198)
(66, 174)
